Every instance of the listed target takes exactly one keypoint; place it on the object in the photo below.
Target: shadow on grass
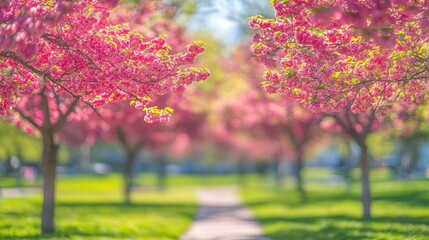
(291, 198)
(121, 205)
(417, 198)
(412, 198)
(339, 227)
(305, 225)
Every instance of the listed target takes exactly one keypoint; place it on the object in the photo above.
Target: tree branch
(63, 117)
(27, 118)
(45, 107)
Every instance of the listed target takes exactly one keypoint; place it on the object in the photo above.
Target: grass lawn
(400, 211)
(91, 207)
(12, 182)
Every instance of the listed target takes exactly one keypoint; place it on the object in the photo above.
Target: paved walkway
(18, 192)
(221, 216)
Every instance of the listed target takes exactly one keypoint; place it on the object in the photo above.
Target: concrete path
(221, 216)
(18, 192)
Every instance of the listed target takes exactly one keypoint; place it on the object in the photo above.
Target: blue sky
(225, 18)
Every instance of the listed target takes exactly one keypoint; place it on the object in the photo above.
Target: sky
(226, 19)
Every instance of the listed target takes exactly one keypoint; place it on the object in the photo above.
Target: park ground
(91, 207)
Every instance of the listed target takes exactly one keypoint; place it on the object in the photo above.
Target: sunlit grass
(92, 208)
(148, 180)
(7, 182)
(400, 211)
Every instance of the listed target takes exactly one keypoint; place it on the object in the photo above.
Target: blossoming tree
(290, 128)
(374, 19)
(326, 65)
(80, 57)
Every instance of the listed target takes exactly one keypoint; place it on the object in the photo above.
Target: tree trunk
(19, 175)
(49, 164)
(1, 190)
(85, 157)
(415, 156)
(347, 168)
(366, 193)
(128, 175)
(298, 176)
(161, 174)
(277, 171)
(242, 172)
(409, 157)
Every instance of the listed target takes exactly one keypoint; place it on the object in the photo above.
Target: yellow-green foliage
(14, 142)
